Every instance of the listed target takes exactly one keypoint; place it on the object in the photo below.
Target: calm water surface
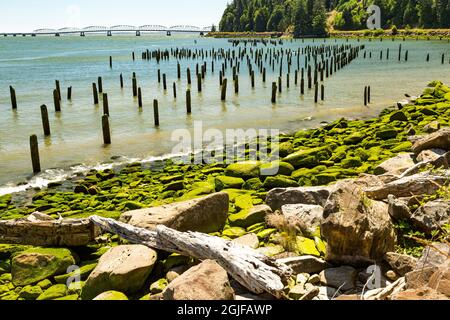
(31, 66)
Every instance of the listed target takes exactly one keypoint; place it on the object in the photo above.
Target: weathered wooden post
(159, 75)
(121, 81)
(253, 79)
(174, 90)
(164, 82)
(69, 93)
(188, 101)
(189, 76)
(58, 88)
(443, 58)
(365, 96)
(100, 85)
(106, 130)
(110, 62)
(56, 101)
(288, 80)
(95, 93)
(134, 80)
(156, 112)
(34, 149)
(178, 70)
(12, 92)
(133, 56)
(264, 75)
(105, 104)
(428, 58)
(322, 92)
(274, 92)
(224, 89)
(406, 55)
(400, 52)
(140, 97)
(316, 92)
(280, 83)
(199, 82)
(368, 94)
(236, 84)
(45, 122)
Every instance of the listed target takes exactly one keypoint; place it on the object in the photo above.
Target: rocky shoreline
(348, 196)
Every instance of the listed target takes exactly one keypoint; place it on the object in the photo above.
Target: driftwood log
(255, 271)
(40, 230)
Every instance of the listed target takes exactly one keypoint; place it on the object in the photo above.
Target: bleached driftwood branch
(255, 271)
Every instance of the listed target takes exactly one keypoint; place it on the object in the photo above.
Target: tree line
(316, 17)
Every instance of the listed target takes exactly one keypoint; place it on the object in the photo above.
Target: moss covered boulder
(308, 158)
(30, 292)
(275, 168)
(224, 182)
(54, 292)
(279, 182)
(245, 170)
(36, 264)
(248, 217)
(111, 296)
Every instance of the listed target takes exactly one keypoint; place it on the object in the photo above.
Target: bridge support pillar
(138, 33)
(57, 35)
(82, 34)
(169, 33)
(33, 35)
(202, 34)
(109, 33)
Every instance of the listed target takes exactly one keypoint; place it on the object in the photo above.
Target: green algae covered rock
(308, 158)
(351, 162)
(243, 202)
(245, 170)
(72, 297)
(83, 273)
(158, 286)
(279, 182)
(30, 292)
(9, 296)
(354, 138)
(54, 292)
(275, 168)
(234, 232)
(36, 264)
(224, 182)
(253, 184)
(307, 246)
(111, 296)
(271, 251)
(248, 217)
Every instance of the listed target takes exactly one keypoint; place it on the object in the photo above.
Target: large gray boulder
(396, 165)
(207, 215)
(206, 281)
(311, 216)
(123, 268)
(432, 216)
(279, 197)
(437, 140)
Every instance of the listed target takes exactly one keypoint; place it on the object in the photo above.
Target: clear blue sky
(28, 15)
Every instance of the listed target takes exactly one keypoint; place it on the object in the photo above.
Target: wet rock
(430, 155)
(305, 264)
(122, 268)
(245, 170)
(36, 264)
(396, 165)
(400, 263)
(356, 229)
(432, 127)
(342, 278)
(207, 281)
(437, 140)
(207, 214)
(432, 216)
(277, 198)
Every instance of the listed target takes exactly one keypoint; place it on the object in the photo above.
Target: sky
(29, 15)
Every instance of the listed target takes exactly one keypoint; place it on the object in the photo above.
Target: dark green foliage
(309, 17)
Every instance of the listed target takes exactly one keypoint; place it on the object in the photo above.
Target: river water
(31, 66)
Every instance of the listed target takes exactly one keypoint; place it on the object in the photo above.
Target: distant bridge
(110, 30)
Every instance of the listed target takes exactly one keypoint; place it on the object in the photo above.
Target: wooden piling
(322, 92)
(199, 82)
(156, 112)
(140, 97)
(58, 88)
(188, 102)
(164, 82)
(56, 101)
(95, 93)
(224, 89)
(12, 92)
(34, 149)
(174, 90)
(45, 122)
(368, 94)
(188, 72)
(253, 79)
(121, 81)
(134, 80)
(105, 104)
(236, 84)
(316, 92)
(69, 93)
(365, 96)
(274, 92)
(159, 76)
(178, 70)
(110, 62)
(106, 130)
(100, 85)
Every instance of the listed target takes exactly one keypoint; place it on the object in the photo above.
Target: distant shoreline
(401, 33)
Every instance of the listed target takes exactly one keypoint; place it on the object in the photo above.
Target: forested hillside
(309, 17)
